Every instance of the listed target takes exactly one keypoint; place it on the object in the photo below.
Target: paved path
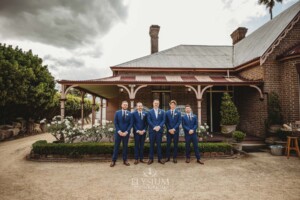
(260, 176)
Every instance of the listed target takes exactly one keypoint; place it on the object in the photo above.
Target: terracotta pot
(227, 129)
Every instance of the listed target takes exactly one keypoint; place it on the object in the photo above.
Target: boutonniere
(126, 114)
(159, 112)
(175, 114)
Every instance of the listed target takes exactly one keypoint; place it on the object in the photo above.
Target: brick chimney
(238, 34)
(153, 32)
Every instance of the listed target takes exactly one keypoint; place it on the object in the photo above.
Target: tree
(229, 113)
(26, 86)
(269, 5)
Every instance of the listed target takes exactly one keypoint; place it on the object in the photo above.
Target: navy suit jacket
(153, 121)
(138, 123)
(173, 121)
(123, 124)
(189, 124)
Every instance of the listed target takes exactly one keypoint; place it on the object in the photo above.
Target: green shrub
(239, 136)
(274, 109)
(77, 149)
(229, 112)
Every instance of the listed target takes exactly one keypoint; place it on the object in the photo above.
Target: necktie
(123, 115)
(156, 113)
(190, 117)
(172, 113)
(141, 116)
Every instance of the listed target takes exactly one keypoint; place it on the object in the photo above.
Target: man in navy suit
(139, 130)
(173, 121)
(156, 121)
(190, 124)
(123, 123)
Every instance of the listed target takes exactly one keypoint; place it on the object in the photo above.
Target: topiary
(229, 112)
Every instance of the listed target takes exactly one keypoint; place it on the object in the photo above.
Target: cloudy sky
(81, 39)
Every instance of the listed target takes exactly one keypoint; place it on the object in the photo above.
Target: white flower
(201, 127)
(48, 125)
(110, 129)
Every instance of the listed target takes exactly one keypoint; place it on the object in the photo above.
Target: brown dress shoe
(187, 160)
(125, 162)
(150, 162)
(174, 161)
(161, 162)
(136, 162)
(142, 161)
(112, 164)
(201, 163)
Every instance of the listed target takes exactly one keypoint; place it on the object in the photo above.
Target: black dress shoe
(187, 160)
(136, 162)
(201, 163)
(126, 163)
(168, 160)
(161, 162)
(150, 162)
(112, 164)
(142, 161)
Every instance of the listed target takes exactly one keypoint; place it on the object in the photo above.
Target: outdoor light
(121, 89)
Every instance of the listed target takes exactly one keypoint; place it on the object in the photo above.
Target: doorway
(214, 98)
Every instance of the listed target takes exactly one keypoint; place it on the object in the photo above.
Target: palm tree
(269, 4)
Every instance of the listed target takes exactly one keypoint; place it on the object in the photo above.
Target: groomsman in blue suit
(190, 124)
(156, 121)
(139, 130)
(173, 121)
(123, 123)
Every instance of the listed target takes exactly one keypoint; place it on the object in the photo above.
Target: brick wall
(290, 91)
(252, 111)
(281, 77)
(253, 73)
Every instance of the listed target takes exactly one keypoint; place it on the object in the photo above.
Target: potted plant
(238, 136)
(229, 115)
(274, 113)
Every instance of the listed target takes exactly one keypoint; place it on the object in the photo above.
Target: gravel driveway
(259, 176)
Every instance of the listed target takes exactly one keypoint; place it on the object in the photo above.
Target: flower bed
(43, 148)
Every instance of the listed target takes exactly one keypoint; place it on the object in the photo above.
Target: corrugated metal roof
(201, 56)
(186, 56)
(257, 43)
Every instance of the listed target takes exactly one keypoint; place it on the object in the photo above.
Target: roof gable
(258, 42)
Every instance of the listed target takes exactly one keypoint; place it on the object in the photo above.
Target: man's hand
(121, 133)
(191, 132)
(172, 131)
(156, 128)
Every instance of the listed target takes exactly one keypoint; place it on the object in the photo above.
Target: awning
(166, 80)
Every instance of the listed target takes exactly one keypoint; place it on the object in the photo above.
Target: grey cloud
(64, 63)
(68, 24)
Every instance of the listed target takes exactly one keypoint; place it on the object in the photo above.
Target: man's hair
(188, 105)
(155, 100)
(173, 101)
(139, 103)
(124, 102)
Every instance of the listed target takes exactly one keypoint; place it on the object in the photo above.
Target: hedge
(68, 149)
